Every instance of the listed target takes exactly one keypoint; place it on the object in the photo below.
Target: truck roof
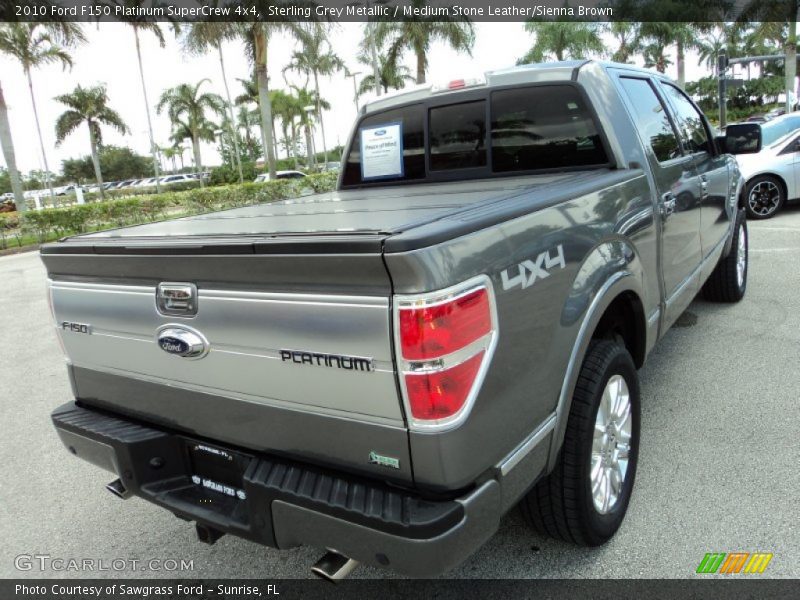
(566, 70)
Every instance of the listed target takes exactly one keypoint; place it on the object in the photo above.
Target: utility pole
(722, 74)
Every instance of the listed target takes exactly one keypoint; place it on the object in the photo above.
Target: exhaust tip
(118, 488)
(333, 567)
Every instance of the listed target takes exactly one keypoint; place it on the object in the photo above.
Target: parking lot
(718, 470)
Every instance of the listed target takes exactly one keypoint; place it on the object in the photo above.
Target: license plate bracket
(217, 469)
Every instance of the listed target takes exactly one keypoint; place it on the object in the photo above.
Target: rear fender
(611, 269)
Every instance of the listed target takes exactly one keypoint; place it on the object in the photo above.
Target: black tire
(561, 504)
(765, 196)
(723, 284)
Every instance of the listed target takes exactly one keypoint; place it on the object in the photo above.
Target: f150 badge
(182, 341)
(528, 272)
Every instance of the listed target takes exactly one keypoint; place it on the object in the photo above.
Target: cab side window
(690, 121)
(651, 118)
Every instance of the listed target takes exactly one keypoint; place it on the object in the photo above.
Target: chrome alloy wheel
(741, 256)
(611, 444)
(764, 199)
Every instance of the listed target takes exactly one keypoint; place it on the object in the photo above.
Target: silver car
(773, 173)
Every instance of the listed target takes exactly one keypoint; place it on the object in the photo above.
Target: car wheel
(728, 281)
(765, 196)
(585, 498)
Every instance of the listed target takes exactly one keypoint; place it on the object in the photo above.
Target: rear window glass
(384, 161)
(531, 128)
(543, 128)
(458, 136)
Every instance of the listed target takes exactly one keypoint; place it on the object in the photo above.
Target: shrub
(140, 207)
(9, 223)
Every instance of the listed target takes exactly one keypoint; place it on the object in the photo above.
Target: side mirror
(743, 138)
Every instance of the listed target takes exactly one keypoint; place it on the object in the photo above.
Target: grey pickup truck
(385, 370)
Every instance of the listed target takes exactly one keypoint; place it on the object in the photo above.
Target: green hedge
(51, 223)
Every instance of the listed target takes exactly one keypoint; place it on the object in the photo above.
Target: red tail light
(431, 332)
(445, 340)
(441, 394)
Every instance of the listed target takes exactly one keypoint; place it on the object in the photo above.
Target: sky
(109, 57)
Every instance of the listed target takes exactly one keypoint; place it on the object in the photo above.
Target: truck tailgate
(306, 371)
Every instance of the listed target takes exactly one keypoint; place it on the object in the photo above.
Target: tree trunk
(156, 170)
(198, 164)
(234, 129)
(309, 147)
(681, 63)
(321, 124)
(373, 51)
(275, 137)
(790, 64)
(7, 143)
(264, 102)
(420, 65)
(96, 162)
(39, 131)
(294, 147)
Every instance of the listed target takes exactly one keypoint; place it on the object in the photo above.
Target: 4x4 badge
(529, 271)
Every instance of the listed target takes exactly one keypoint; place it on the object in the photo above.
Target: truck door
(678, 190)
(712, 168)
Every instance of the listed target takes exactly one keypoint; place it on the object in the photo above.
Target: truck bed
(356, 220)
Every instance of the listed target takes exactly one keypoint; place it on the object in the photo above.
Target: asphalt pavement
(718, 472)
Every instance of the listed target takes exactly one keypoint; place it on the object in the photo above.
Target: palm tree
(711, 45)
(90, 106)
(186, 107)
(246, 119)
(35, 45)
(626, 34)
(418, 33)
(199, 39)
(786, 13)
(391, 74)
(141, 23)
(171, 153)
(562, 40)
(316, 59)
(7, 144)
(657, 36)
(251, 96)
(370, 46)
(306, 119)
(287, 108)
(685, 36)
(256, 36)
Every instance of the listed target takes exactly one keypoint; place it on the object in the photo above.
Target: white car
(176, 179)
(150, 181)
(773, 172)
(280, 175)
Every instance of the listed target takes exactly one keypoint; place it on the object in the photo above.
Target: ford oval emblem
(182, 341)
(380, 132)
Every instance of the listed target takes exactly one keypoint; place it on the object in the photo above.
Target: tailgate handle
(177, 299)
